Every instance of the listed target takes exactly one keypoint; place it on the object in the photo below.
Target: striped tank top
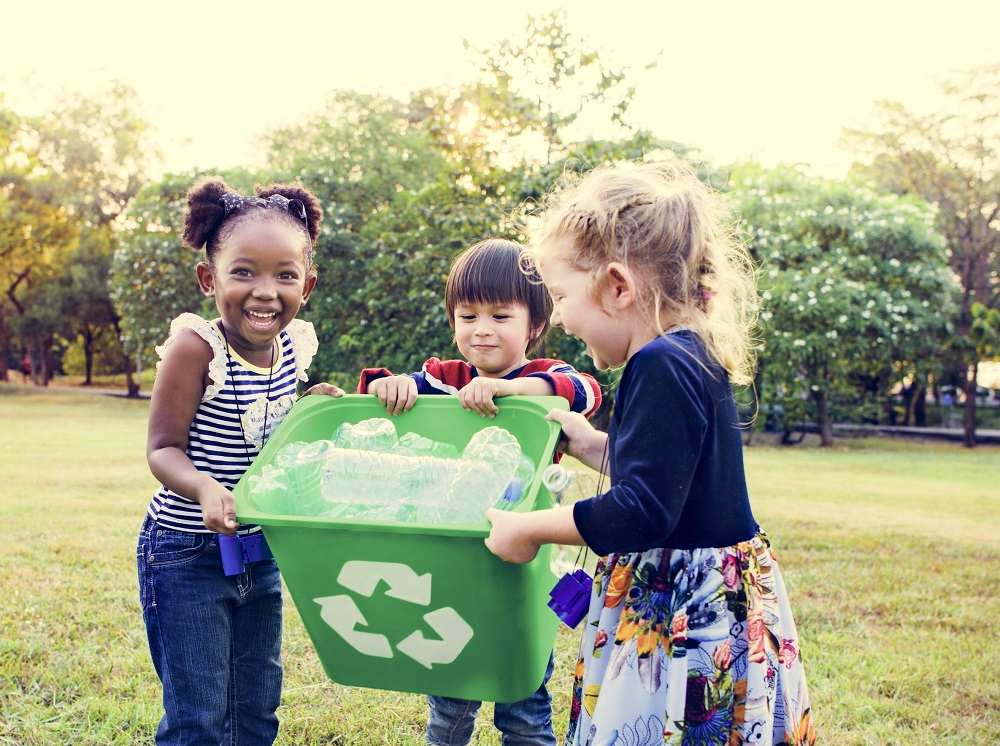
(228, 429)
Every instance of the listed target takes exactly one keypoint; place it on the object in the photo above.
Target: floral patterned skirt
(690, 647)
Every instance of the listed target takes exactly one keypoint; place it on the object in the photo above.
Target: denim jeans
(215, 641)
(524, 723)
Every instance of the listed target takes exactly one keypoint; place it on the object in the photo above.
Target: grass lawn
(891, 551)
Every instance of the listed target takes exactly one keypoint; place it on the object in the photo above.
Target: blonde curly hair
(678, 239)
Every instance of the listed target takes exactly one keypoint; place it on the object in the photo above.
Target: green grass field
(891, 551)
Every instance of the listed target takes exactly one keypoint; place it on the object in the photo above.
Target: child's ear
(206, 279)
(620, 285)
(310, 285)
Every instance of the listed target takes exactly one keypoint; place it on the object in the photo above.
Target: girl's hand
(218, 509)
(585, 443)
(509, 539)
(324, 388)
(479, 393)
(397, 393)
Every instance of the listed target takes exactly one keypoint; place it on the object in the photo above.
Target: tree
(86, 158)
(952, 159)
(853, 286)
(152, 273)
(36, 234)
(544, 81)
(398, 208)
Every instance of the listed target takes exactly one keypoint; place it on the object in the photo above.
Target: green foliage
(543, 81)
(396, 215)
(855, 286)
(951, 158)
(152, 273)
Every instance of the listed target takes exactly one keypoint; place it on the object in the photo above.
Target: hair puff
(204, 212)
(314, 210)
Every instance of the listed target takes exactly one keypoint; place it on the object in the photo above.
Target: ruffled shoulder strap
(208, 331)
(304, 343)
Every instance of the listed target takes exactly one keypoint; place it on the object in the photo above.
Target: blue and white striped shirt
(228, 429)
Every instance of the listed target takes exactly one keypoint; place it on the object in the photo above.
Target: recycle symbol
(344, 617)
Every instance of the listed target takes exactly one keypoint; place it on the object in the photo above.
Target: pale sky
(773, 80)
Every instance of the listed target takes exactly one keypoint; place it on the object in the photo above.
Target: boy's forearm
(531, 386)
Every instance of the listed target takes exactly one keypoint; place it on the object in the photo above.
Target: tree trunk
(48, 363)
(915, 409)
(920, 407)
(823, 423)
(88, 357)
(888, 410)
(3, 347)
(969, 424)
(130, 380)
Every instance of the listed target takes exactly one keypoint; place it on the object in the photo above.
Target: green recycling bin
(416, 607)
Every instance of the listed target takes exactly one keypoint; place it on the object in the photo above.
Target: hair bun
(204, 211)
(311, 203)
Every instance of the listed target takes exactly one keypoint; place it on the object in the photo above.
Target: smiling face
(593, 316)
(259, 280)
(493, 337)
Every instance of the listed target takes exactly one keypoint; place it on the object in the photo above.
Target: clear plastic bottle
(376, 434)
(567, 486)
(306, 472)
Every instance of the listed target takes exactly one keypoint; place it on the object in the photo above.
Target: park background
(858, 146)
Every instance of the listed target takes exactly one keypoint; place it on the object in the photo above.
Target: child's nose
(554, 319)
(265, 289)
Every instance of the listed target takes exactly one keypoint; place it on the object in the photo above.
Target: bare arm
(586, 443)
(517, 537)
(177, 392)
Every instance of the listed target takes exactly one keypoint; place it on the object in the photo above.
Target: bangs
(492, 272)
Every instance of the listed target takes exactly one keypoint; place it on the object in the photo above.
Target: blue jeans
(524, 723)
(215, 641)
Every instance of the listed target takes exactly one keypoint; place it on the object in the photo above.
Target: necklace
(236, 399)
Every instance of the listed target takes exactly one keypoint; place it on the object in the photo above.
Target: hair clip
(232, 202)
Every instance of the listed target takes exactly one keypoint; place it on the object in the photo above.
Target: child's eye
(241, 272)
(500, 316)
(467, 317)
(288, 276)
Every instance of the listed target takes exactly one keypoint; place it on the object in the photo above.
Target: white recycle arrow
(363, 577)
(455, 634)
(343, 615)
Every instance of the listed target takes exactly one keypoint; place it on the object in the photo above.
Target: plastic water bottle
(567, 486)
(377, 434)
(365, 472)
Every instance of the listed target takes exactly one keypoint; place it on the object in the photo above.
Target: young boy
(500, 316)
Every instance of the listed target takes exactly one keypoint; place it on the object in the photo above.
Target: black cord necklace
(236, 399)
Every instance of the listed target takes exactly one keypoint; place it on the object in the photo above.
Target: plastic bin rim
(306, 405)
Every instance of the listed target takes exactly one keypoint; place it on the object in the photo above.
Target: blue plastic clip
(571, 597)
(238, 550)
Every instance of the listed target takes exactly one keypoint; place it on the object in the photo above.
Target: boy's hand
(478, 395)
(324, 388)
(218, 510)
(397, 393)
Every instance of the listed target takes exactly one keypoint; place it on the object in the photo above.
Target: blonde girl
(689, 637)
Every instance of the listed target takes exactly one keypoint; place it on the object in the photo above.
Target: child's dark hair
(490, 272)
(214, 210)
